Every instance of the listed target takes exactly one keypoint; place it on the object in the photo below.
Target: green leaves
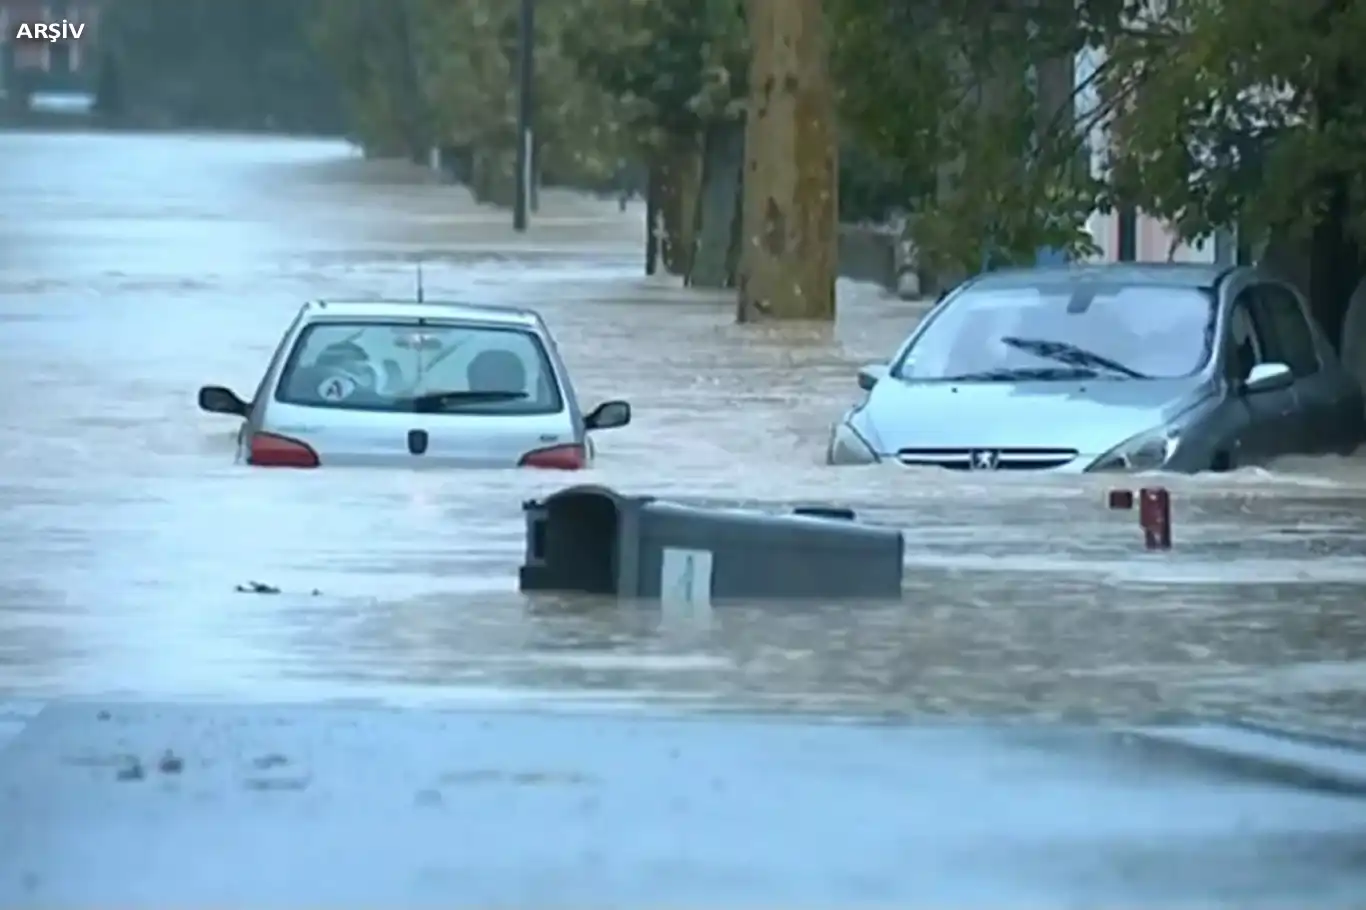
(208, 63)
(1240, 113)
(419, 71)
(673, 65)
(1209, 113)
(988, 160)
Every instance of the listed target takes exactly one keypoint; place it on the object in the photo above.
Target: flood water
(135, 268)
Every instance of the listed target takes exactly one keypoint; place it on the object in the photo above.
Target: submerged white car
(415, 383)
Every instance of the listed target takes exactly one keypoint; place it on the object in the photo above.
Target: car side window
(1285, 328)
(1244, 348)
(263, 388)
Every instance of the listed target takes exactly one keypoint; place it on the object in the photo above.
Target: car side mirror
(608, 416)
(1268, 377)
(871, 375)
(217, 399)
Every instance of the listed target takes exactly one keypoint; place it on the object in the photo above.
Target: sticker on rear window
(337, 388)
(419, 342)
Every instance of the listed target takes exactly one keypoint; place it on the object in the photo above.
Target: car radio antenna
(419, 281)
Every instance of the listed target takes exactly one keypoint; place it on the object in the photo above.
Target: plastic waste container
(593, 540)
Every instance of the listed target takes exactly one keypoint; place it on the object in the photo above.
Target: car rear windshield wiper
(1025, 373)
(439, 401)
(1072, 355)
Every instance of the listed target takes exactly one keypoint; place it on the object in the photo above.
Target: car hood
(1090, 416)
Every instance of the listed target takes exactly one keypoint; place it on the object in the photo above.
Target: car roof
(489, 314)
(1164, 274)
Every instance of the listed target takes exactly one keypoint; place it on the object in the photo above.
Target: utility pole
(526, 77)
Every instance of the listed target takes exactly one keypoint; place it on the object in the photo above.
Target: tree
(423, 72)
(204, 63)
(373, 53)
(970, 109)
(1251, 114)
(674, 67)
(109, 98)
(789, 244)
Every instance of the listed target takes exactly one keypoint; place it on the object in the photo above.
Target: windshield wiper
(439, 401)
(1025, 373)
(1072, 355)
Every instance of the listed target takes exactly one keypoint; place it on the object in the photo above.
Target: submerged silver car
(1121, 367)
(431, 384)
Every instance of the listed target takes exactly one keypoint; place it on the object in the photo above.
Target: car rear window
(405, 366)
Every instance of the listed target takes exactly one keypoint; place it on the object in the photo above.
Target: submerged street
(135, 268)
(154, 264)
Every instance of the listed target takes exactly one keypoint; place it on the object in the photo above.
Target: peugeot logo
(984, 459)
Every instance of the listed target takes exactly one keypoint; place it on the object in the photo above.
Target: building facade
(1154, 240)
(35, 66)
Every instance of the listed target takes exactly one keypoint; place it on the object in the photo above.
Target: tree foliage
(971, 110)
(205, 63)
(422, 71)
(1242, 113)
(372, 48)
(673, 65)
(1254, 115)
(1213, 112)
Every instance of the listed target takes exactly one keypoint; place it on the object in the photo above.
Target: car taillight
(271, 451)
(558, 458)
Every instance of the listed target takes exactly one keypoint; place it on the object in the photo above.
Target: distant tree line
(240, 64)
(965, 114)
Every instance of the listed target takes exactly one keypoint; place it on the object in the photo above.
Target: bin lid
(780, 528)
(585, 490)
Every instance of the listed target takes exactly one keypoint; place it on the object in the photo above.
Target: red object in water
(1155, 518)
(271, 451)
(557, 458)
(1120, 500)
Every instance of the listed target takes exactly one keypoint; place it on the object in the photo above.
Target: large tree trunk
(653, 185)
(412, 105)
(788, 256)
(737, 234)
(1334, 263)
(1335, 256)
(492, 181)
(1335, 260)
(681, 182)
(718, 205)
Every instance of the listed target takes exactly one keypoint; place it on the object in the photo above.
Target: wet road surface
(135, 268)
(290, 807)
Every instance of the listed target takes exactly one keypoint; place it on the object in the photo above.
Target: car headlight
(1145, 452)
(848, 447)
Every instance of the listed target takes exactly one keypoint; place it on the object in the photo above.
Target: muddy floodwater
(135, 268)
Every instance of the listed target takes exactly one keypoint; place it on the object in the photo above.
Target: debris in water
(257, 587)
(170, 763)
(428, 798)
(131, 771)
(276, 783)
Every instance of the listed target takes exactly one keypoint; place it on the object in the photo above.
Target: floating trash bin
(593, 540)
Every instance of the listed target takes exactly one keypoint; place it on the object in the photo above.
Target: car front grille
(987, 459)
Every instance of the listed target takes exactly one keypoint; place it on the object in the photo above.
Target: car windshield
(1058, 332)
(405, 366)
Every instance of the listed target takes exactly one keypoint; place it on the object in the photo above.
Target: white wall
(1154, 238)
